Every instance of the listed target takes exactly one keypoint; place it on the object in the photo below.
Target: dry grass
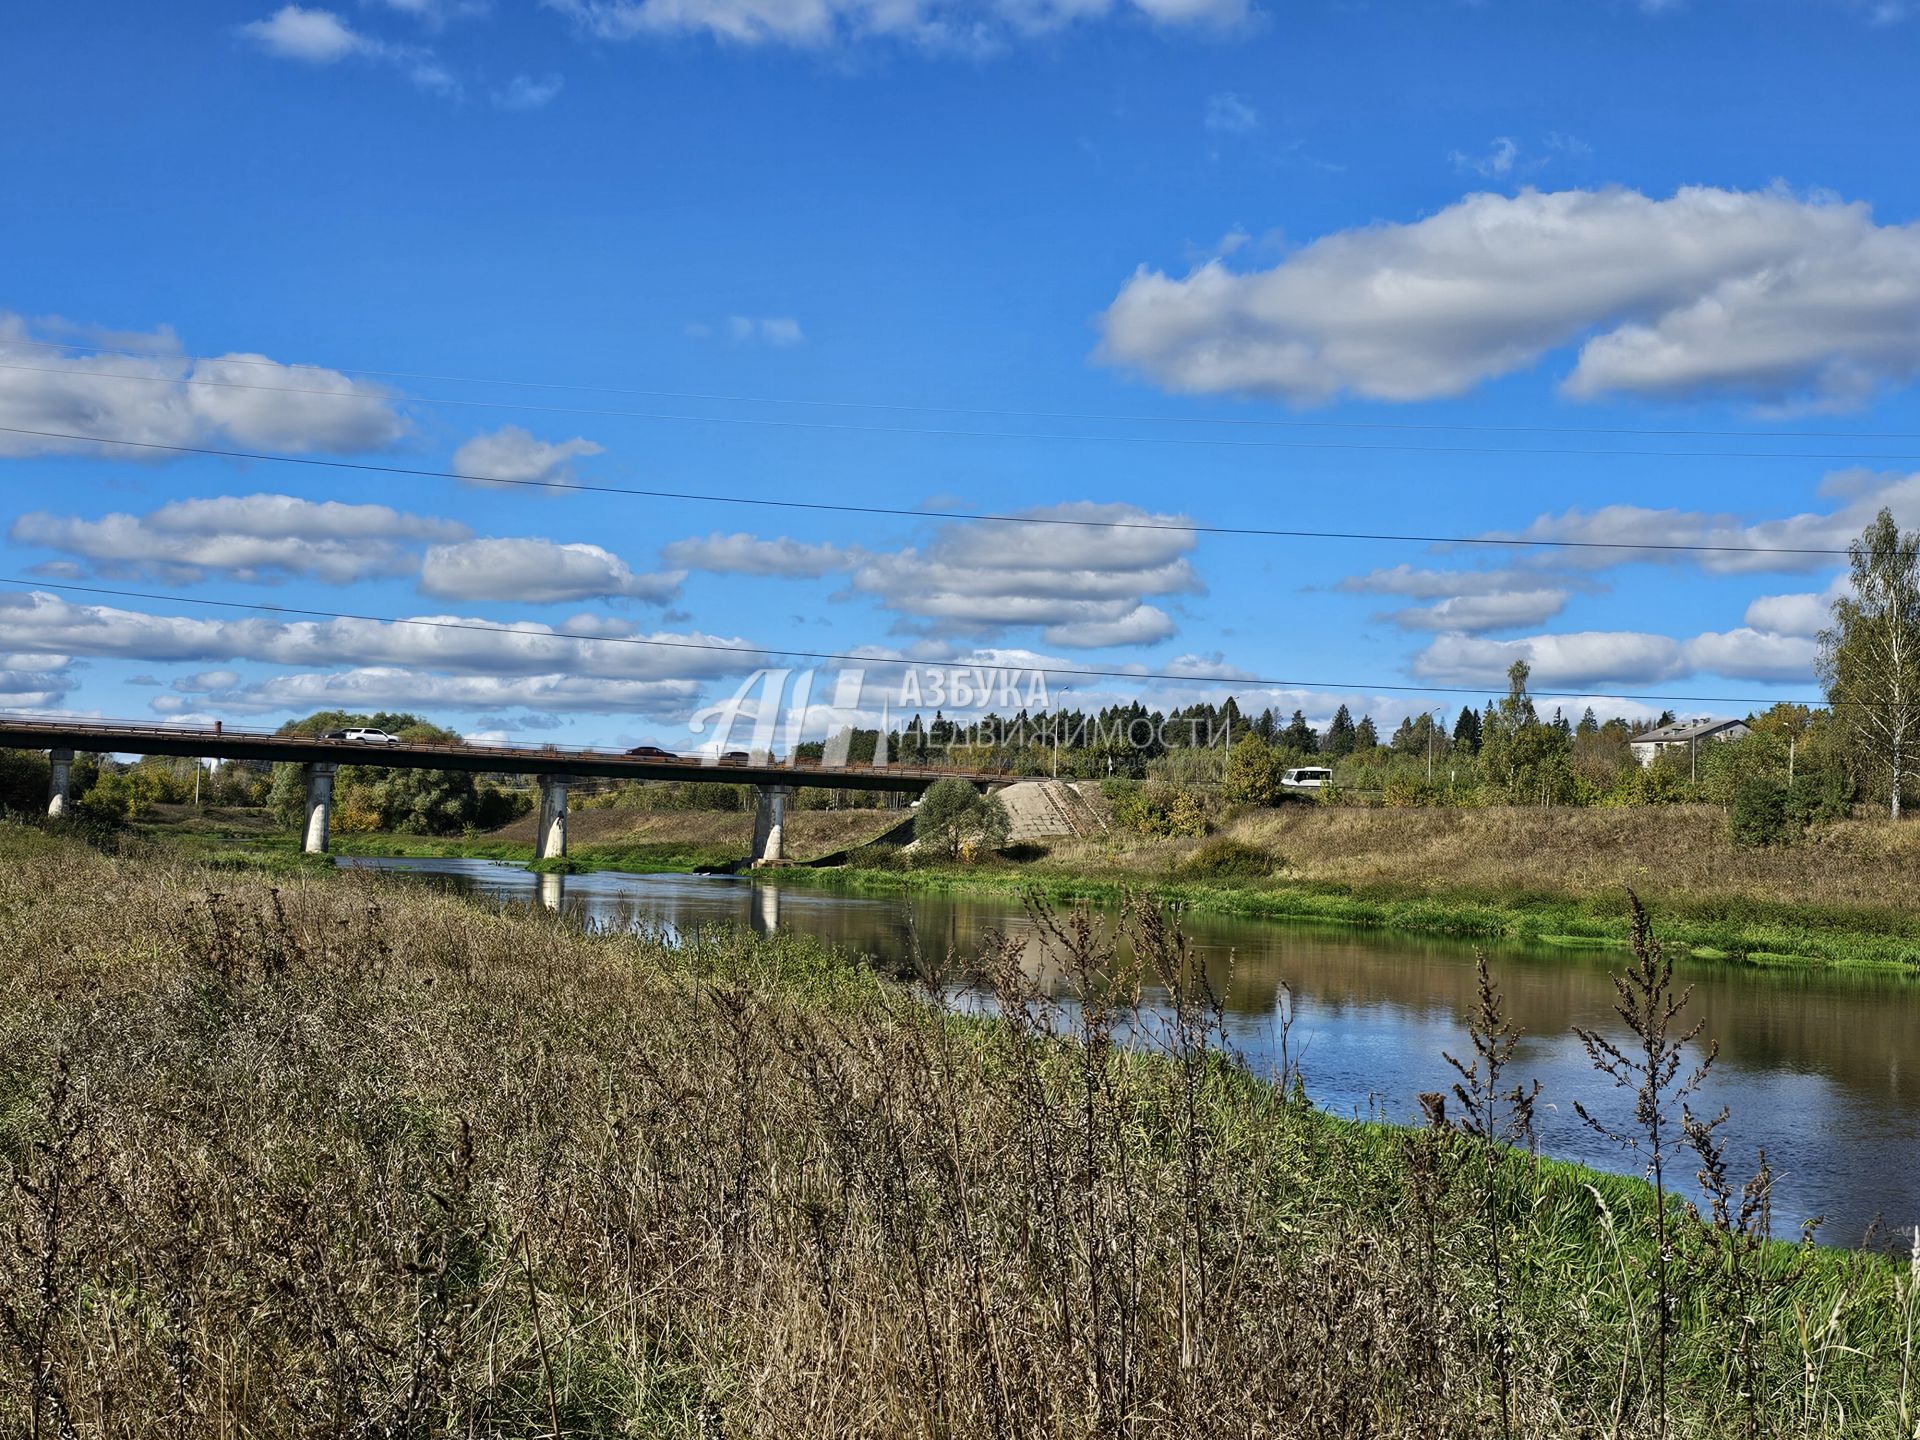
(1667, 853)
(351, 1158)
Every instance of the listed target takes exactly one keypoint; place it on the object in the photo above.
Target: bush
(956, 819)
(1225, 859)
(1156, 809)
(1759, 815)
(1819, 795)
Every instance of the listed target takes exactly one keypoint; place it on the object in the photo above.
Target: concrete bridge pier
(319, 808)
(60, 778)
(550, 834)
(769, 823)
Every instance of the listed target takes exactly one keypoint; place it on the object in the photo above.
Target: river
(1820, 1067)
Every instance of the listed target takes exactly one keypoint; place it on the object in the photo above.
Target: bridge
(555, 767)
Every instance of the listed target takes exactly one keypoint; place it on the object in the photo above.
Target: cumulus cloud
(36, 623)
(320, 37)
(1559, 662)
(1083, 582)
(385, 687)
(1762, 295)
(744, 554)
(538, 572)
(1805, 615)
(1499, 610)
(243, 537)
(511, 456)
(970, 26)
(1812, 540)
(170, 399)
(1586, 659)
(29, 686)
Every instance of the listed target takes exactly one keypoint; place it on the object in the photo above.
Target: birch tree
(1870, 656)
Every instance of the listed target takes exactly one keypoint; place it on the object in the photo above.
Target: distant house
(1683, 735)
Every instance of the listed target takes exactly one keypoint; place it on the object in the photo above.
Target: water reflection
(1813, 1064)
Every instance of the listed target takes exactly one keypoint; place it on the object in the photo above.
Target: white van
(1308, 777)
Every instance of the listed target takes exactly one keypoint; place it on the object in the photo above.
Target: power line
(1263, 422)
(704, 498)
(928, 432)
(752, 652)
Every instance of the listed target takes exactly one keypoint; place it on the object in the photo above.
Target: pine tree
(1466, 730)
(1301, 737)
(1339, 741)
(1365, 735)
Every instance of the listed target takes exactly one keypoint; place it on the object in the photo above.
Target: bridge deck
(228, 744)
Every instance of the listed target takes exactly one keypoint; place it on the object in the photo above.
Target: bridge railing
(71, 728)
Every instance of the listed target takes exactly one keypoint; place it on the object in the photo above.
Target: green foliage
(954, 819)
(1253, 773)
(1759, 813)
(24, 779)
(1156, 809)
(1870, 657)
(1224, 859)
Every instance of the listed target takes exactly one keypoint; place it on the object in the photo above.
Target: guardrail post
(550, 836)
(769, 823)
(59, 778)
(319, 807)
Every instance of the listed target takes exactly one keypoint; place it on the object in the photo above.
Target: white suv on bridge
(364, 735)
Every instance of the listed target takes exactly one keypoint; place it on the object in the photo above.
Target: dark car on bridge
(652, 752)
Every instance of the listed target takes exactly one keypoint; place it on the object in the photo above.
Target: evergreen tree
(1365, 736)
(1466, 730)
(1588, 725)
(1340, 736)
(1299, 736)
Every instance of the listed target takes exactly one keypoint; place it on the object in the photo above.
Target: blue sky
(1428, 268)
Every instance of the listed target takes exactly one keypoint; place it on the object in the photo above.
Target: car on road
(652, 752)
(364, 735)
(735, 757)
(1307, 777)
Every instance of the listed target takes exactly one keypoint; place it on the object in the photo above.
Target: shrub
(1223, 859)
(956, 819)
(1759, 815)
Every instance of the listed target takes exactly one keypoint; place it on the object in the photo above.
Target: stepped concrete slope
(1049, 810)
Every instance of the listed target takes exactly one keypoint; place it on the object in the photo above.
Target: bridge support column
(769, 823)
(60, 777)
(319, 808)
(550, 838)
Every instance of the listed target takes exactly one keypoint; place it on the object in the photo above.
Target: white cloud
(1762, 295)
(1418, 584)
(321, 37)
(1821, 538)
(35, 686)
(244, 537)
(780, 331)
(38, 623)
(1501, 610)
(1496, 163)
(744, 554)
(1805, 615)
(241, 399)
(1228, 114)
(537, 572)
(404, 688)
(204, 680)
(967, 26)
(1575, 661)
(511, 455)
(1082, 582)
(1748, 654)
(528, 92)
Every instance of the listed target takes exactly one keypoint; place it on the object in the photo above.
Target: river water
(1822, 1068)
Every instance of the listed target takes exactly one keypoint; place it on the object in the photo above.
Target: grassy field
(324, 1154)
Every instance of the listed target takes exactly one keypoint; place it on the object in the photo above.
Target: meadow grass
(334, 1155)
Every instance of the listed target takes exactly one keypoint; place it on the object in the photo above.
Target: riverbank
(1845, 897)
(600, 838)
(333, 1144)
